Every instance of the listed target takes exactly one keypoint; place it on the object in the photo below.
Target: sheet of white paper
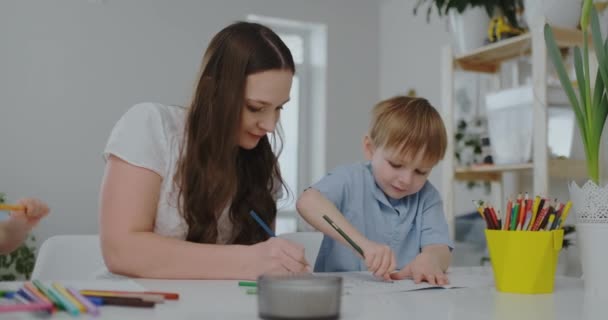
(366, 283)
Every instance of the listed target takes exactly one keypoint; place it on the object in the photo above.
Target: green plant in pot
(507, 7)
(19, 264)
(590, 104)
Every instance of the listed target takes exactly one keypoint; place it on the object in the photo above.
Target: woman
(180, 183)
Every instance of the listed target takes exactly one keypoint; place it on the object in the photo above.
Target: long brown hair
(213, 171)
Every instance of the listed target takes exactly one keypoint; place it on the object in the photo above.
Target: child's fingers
(417, 277)
(35, 208)
(404, 273)
(374, 262)
(430, 278)
(384, 264)
(443, 279)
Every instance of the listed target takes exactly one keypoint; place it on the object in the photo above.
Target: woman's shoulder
(170, 118)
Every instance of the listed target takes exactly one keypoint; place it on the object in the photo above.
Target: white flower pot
(563, 13)
(469, 29)
(590, 204)
(592, 239)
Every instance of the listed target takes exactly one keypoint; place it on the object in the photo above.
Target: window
(300, 166)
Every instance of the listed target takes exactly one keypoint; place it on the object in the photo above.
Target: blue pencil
(261, 223)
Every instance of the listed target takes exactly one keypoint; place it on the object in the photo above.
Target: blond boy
(386, 205)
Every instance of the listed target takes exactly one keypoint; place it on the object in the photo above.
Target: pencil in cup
(344, 235)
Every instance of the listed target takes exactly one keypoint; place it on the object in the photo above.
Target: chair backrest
(311, 241)
(69, 257)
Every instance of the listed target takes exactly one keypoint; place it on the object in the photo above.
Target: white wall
(70, 68)
(410, 50)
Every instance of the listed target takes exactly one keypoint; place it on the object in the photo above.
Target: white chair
(69, 257)
(311, 241)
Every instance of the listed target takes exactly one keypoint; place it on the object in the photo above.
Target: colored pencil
(344, 235)
(262, 224)
(90, 307)
(11, 207)
(166, 295)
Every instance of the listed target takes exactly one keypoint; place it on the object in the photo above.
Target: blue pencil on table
(261, 223)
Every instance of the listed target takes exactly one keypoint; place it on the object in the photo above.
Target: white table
(204, 299)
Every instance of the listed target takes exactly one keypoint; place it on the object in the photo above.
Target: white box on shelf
(510, 124)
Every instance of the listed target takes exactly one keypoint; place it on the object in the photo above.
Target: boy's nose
(405, 178)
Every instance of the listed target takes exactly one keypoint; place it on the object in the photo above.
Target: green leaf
(580, 78)
(602, 113)
(556, 58)
(599, 45)
(587, 6)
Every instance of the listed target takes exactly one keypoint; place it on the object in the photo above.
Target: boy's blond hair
(408, 125)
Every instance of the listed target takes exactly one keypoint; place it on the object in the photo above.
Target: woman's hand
(33, 211)
(278, 256)
(425, 267)
(379, 259)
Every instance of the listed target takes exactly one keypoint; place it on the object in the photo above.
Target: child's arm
(435, 256)
(14, 231)
(441, 254)
(312, 205)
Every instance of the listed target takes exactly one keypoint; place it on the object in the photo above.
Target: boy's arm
(441, 253)
(312, 205)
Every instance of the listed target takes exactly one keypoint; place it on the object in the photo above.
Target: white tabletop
(206, 299)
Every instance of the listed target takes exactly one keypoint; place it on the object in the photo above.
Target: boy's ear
(368, 147)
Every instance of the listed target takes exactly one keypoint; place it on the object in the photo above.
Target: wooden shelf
(558, 168)
(488, 58)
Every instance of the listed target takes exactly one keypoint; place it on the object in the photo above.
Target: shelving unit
(488, 60)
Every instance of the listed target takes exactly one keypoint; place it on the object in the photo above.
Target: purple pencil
(91, 308)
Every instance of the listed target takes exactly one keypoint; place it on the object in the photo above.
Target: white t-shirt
(148, 136)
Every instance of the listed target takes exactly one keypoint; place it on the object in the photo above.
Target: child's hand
(34, 211)
(425, 267)
(379, 259)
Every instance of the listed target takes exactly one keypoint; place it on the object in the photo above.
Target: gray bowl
(299, 297)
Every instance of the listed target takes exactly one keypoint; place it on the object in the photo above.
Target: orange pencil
(11, 207)
(522, 212)
(508, 215)
(29, 286)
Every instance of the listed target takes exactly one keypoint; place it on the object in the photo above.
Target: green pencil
(248, 284)
(344, 235)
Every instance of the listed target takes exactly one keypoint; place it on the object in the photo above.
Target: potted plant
(19, 264)
(590, 105)
(470, 19)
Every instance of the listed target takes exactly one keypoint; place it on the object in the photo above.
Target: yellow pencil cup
(524, 261)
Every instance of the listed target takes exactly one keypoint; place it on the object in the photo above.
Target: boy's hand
(379, 259)
(34, 211)
(425, 267)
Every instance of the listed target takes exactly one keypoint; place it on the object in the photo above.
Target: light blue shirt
(406, 224)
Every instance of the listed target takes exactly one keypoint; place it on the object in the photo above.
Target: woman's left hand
(425, 267)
